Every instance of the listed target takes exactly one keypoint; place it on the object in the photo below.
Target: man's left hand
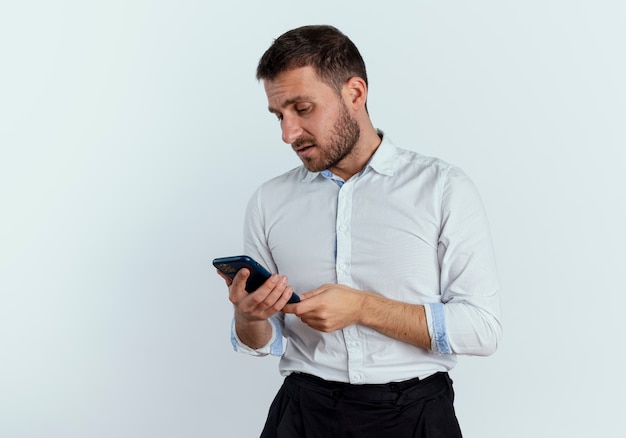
(330, 307)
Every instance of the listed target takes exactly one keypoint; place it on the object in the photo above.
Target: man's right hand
(252, 310)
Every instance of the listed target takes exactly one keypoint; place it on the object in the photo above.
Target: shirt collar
(384, 160)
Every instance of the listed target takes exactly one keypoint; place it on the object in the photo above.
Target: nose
(292, 130)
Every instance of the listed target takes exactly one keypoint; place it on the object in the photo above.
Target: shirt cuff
(273, 347)
(436, 320)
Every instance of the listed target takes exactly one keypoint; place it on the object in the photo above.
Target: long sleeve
(254, 247)
(470, 289)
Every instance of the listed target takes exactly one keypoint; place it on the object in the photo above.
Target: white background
(133, 132)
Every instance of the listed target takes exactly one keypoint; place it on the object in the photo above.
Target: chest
(359, 235)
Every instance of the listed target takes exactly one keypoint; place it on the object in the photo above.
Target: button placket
(342, 230)
(343, 264)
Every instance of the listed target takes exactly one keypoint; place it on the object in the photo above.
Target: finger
(303, 307)
(313, 292)
(262, 296)
(239, 281)
(283, 298)
(280, 293)
(237, 288)
(291, 307)
(270, 297)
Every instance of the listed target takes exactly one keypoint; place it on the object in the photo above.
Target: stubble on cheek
(345, 134)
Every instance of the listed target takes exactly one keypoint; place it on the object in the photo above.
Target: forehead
(295, 85)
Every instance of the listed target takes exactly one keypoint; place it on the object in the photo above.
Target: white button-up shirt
(408, 227)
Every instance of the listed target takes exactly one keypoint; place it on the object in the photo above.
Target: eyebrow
(291, 101)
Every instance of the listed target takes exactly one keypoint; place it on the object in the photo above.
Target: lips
(303, 147)
(305, 150)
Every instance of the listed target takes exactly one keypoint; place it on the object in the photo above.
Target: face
(314, 119)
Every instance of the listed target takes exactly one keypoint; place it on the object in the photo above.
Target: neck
(355, 162)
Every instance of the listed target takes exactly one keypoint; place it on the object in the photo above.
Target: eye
(303, 109)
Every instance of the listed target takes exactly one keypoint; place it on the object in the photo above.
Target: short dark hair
(332, 54)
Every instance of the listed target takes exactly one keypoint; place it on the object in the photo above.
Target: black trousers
(309, 407)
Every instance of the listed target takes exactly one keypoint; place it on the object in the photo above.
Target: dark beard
(345, 135)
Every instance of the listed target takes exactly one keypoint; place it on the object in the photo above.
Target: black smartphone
(258, 274)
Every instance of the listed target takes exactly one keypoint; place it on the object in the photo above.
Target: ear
(355, 93)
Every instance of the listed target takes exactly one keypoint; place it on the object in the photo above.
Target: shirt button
(357, 377)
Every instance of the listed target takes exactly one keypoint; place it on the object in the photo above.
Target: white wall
(133, 132)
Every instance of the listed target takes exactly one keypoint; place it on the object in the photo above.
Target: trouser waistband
(413, 388)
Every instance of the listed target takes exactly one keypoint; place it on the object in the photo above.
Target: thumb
(241, 277)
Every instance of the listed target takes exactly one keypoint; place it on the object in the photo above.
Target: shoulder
(430, 174)
(283, 187)
(288, 179)
(412, 158)
(297, 174)
(412, 162)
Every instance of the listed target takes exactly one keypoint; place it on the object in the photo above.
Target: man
(389, 251)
